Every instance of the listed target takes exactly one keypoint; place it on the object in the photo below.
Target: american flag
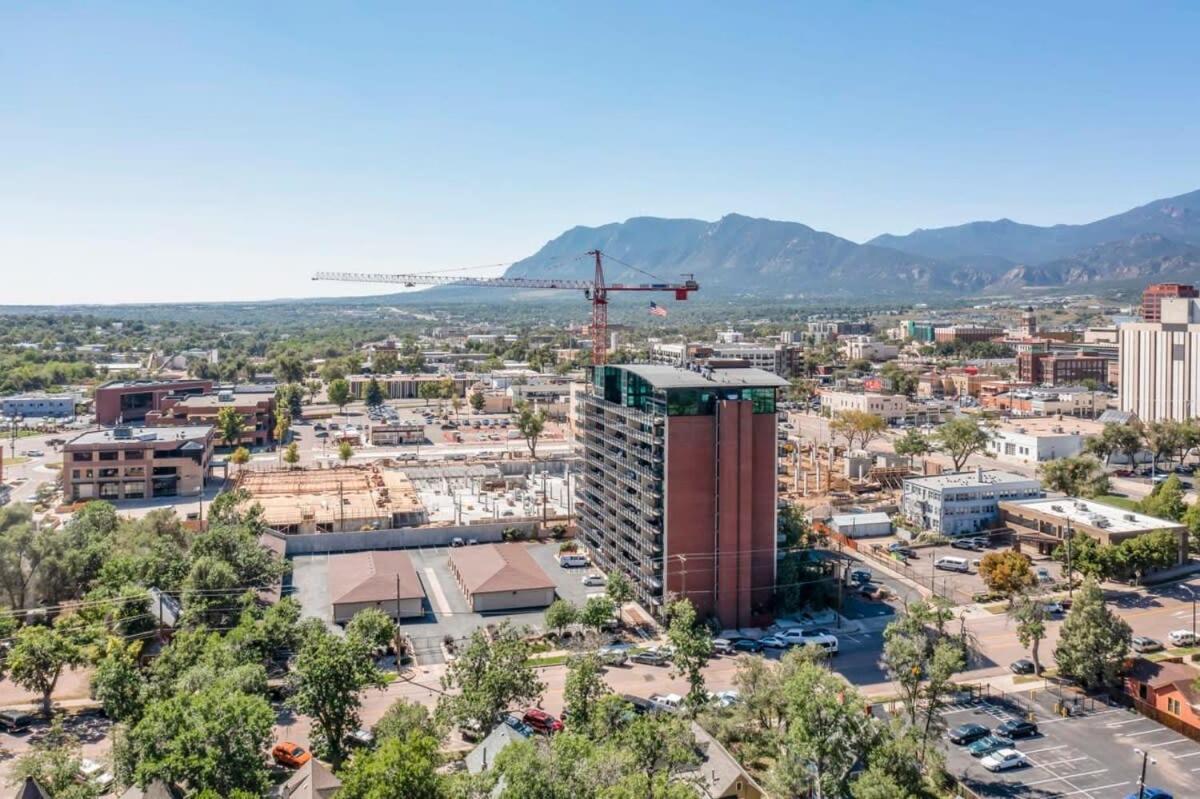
(657, 310)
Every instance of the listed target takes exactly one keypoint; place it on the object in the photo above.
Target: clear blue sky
(225, 150)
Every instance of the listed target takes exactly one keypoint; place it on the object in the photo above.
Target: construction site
(383, 496)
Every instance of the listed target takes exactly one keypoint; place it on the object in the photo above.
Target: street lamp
(1142, 779)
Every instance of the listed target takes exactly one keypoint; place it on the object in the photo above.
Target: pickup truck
(670, 703)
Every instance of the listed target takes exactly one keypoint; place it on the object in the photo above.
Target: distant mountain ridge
(740, 256)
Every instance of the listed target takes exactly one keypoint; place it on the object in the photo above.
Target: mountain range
(739, 256)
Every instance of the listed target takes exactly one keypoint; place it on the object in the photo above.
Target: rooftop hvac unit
(225, 396)
(1129, 517)
(1058, 508)
(122, 432)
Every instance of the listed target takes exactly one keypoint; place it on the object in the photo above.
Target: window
(80, 457)
(109, 472)
(110, 456)
(1173, 706)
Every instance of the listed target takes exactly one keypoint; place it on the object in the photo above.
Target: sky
(226, 150)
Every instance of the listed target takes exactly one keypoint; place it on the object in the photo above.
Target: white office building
(1160, 363)
(33, 406)
(888, 406)
(962, 503)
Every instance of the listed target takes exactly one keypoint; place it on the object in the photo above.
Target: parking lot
(446, 610)
(1090, 756)
(959, 586)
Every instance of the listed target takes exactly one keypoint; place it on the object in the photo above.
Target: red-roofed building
(1169, 688)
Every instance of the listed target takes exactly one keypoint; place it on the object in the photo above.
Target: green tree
(345, 452)
(338, 392)
(54, 765)
(374, 628)
(291, 455)
(283, 426)
(488, 677)
(401, 767)
(384, 362)
(240, 457)
(1127, 439)
(329, 678)
(1093, 640)
(912, 444)
(117, 682)
(429, 390)
(404, 717)
(1146, 553)
(1165, 500)
(210, 739)
(1086, 556)
(828, 728)
(1029, 612)
(692, 643)
(1162, 439)
(21, 553)
(584, 689)
(1079, 476)
(38, 657)
(289, 399)
(596, 613)
(288, 368)
(530, 424)
(1006, 572)
(374, 394)
(961, 438)
(231, 425)
(862, 427)
(619, 590)
(560, 615)
(477, 401)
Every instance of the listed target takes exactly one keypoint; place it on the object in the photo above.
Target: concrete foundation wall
(405, 538)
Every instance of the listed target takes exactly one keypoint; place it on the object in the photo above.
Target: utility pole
(1070, 581)
(1142, 780)
(397, 622)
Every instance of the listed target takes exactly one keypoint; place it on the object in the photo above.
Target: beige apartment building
(136, 463)
(886, 405)
(1160, 363)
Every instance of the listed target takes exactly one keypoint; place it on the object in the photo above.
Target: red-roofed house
(500, 577)
(384, 579)
(1167, 687)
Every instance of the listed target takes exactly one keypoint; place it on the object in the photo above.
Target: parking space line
(1147, 732)
(1045, 749)
(1172, 743)
(1189, 754)
(1069, 776)
(1060, 762)
(1096, 788)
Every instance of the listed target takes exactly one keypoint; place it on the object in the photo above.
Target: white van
(572, 561)
(952, 564)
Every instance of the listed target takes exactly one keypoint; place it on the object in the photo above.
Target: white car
(1003, 759)
(671, 703)
(1181, 638)
(826, 641)
(91, 771)
(1054, 608)
(593, 579)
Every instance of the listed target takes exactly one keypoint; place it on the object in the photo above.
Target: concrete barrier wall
(404, 538)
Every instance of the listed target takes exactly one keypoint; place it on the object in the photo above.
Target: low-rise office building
(1046, 523)
(889, 406)
(137, 462)
(128, 401)
(257, 408)
(500, 577)
(857, 348)
(960, 503)
(390, 434)
(384, 580)
(408, 386)
(1037, 440)
(55, 406)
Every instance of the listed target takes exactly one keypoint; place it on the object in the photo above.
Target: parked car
(1043, 575)
(95, 773)
(290, 755)
(457, 542)
(1181, 638)
(860, 576)
(962, 543)
(988, 744)
(774, 642)
(747, 645)
(362, 737)
(518, 725)
(1003, 759)
(1017, 728)
(1053, 607)
(640, 705)
(593, 579)
(821, 638)
(541, 721)
(1150, 793)
(1142, 643)
(1022, 666)
(722, 646)
(670, 703)
(1185, 469)
(13, 720)
(613, 656)
(1124, 473)
(725, 698)
(964, 734)
(652, 657)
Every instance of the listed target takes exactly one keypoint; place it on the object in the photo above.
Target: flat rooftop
(216, 401)
(151, 383)
(971, 478)
(330, 495)
(1096, 514)
(140, 434)
(661, 376)
(1052, 426)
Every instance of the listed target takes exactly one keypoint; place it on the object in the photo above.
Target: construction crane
(595, 290)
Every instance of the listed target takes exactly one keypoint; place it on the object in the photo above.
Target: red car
(541, 721)
(290, 755)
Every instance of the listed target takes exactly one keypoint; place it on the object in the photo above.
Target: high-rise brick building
(678, 491)
(1154, 294)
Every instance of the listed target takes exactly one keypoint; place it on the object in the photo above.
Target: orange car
(290, 754)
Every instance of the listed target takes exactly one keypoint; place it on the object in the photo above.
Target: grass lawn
(13, 460)
(1175, 652)
(1118, 500)
(550, 660)
(997, 608)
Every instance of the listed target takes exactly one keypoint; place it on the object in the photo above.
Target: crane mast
(595, 290)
